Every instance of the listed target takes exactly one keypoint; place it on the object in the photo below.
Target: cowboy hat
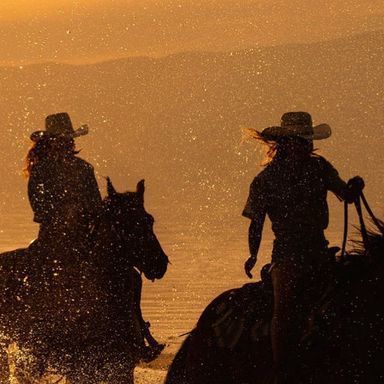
(296, 124)
(59, 125)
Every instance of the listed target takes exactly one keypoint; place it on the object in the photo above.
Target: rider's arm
(255, 209)
(92, 188)
(254, 234)
(87, 189)
(344, 191)
(333, 181)
(254, 239)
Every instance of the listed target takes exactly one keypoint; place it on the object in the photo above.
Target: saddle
(243, 313)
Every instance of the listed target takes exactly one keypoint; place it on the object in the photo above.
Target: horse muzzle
(158, 270)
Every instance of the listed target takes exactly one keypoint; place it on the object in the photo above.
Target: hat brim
(320, 132)
(81, 131)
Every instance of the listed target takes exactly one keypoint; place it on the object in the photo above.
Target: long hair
(44, 148)
(277, 150)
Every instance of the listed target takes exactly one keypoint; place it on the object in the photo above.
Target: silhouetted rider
(292, 191)
(62, 188)
(65, 199)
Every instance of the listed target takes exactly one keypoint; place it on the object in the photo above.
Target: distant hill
(176, 120)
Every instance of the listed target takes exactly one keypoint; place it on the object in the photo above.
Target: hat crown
(59, 124)
(298, 121)
(296, 118)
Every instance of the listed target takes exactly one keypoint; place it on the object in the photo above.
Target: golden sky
(91, 30)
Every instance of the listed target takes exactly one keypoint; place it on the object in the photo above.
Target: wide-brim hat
(59, 125)
(296, 124)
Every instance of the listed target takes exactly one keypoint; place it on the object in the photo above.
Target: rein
(345, 235)
(363, 228)
(370, 212)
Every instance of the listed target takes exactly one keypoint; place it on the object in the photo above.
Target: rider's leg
(284, 327)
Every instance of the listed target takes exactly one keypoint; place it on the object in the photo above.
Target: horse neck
(108, 242)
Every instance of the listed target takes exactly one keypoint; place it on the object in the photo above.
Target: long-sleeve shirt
(57, 186)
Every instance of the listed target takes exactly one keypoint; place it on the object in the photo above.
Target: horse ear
(110, 188)
(140, 188)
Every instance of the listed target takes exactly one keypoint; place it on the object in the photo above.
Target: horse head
(133, 226)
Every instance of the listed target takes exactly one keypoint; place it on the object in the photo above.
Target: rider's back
(293, 194)
(63, 185)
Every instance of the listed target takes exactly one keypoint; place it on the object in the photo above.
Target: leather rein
(361, 199)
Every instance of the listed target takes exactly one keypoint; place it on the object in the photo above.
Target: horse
(346, 326)
(231, 335)
(72, 307)
(342, 340)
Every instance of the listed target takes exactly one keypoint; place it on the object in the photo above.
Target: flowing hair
(275, 150)
(44, 148)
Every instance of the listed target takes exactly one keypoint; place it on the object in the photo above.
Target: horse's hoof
(151, 353)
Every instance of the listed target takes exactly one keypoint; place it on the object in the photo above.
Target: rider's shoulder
(266, 172)
(262, 177)
(321, 161)
(81, 163)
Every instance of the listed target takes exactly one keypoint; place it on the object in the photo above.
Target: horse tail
(177, 371)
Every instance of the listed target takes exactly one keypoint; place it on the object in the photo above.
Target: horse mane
(375, 242)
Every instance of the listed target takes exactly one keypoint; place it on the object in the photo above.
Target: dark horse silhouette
(343, 341)
(71, 305)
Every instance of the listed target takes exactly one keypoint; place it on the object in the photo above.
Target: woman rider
(65, 199)
(292, 191)
(62, 188)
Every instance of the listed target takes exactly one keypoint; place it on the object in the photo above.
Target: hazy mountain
(84, 31)
(176, 120)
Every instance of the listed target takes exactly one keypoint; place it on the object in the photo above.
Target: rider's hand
(249, 264)
(355, 186)
(356, 182)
